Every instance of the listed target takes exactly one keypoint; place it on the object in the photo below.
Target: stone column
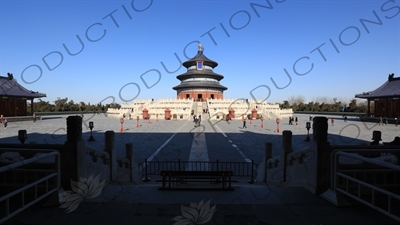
(286, 149)
(73, 164)
(319, 165)
(109, 147)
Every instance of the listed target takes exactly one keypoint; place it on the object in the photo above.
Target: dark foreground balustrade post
(146, 179)
(73, 155)
(251, 181)
(319, 166)
(110, 148)
(286, 149)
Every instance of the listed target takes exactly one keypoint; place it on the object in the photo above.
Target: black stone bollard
(286, 149)
(74, 128)
(73, 155)
(319, 166)
(109, 147)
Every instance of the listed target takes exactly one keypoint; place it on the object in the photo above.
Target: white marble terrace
(182, 108)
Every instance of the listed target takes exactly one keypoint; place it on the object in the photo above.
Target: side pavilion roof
(391, 88)
(9, 87)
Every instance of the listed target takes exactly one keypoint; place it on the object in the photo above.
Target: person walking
(395, 122)
(290, 120)
(244, 123)
(296, 121)
(332, 120)
(345, 119)
(5, 122)
(380, 121)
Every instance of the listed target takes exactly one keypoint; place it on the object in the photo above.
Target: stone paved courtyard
(172, 140)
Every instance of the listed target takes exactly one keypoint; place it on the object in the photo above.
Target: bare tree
(321, 100)
(297, 99)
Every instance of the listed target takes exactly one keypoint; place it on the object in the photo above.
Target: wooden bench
(210, 180)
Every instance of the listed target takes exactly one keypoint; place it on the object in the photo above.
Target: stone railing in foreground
(97, 162)
(112, 167)
(81, 161)
(292, 172)
(311, 167)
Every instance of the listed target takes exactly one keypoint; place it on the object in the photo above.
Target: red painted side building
(14, 97)
(385, 100)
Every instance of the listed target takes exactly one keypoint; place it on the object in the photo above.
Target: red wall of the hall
(387, 108)
(204, 95)
(13, 107)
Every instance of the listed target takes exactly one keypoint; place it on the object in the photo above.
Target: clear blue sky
(122, 40)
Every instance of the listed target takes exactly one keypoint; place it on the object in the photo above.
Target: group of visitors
(197, 120)
(291, 119)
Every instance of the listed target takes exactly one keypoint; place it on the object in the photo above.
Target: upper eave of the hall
(200, 57)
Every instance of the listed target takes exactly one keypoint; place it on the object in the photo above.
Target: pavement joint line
(165, 143)
(234, 145)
